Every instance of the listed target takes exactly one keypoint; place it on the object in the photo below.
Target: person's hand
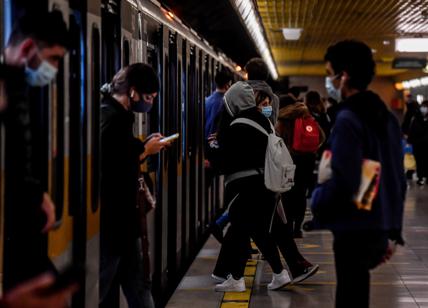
(392, 247)
(30, 294)
(48, 207)
(154, 145)
(207, 164)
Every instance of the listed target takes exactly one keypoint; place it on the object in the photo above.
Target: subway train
(105, 36)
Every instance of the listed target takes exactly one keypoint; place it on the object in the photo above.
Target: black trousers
(356, 253)
(251, 209)
(125, 270)
(283, 236)
(421, 156)
(294, 201)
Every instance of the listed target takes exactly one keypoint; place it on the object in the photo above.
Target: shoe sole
(279, 288)
(307, 275)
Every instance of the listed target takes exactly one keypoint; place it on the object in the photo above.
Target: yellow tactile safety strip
(242, 299)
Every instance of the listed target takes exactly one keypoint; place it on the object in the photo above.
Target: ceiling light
(386, 42)
(292, 34)
(411, 44)
(251, 19)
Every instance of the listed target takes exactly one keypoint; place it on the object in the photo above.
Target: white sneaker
(279, 280)
(231, 285)
(218, 278)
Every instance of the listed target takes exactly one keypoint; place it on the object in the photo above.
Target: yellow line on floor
(241, 299)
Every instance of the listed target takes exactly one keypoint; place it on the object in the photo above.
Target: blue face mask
(267, 111)
(41, 76)
(331, 90)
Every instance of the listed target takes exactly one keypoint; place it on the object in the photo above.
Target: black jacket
(120, 152)
(245, 146)
(418, 131)
(23, 192)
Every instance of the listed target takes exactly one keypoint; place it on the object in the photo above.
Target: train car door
(185, 238)
(171, 119)
(79, 148)
(93, 76)
(191, 122)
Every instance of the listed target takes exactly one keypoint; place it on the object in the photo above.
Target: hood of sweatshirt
(239, 97)
(260, 85)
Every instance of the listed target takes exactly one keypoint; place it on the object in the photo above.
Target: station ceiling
(219, 24)
(376, 22)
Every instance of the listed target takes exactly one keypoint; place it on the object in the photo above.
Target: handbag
(146, 202)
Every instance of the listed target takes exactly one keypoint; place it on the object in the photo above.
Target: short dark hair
(261, 96)
(222, 78)
(286, 100)
(354, 58)
(314, 102)
(47, 29)
(257, 69)
(141, 76)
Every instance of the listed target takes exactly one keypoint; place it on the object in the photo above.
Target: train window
(58, 151)
(126, 53)
(75, 118)
(111, 43)
(96, 105)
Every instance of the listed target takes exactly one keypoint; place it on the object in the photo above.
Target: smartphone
(73, 274)
(170, 138)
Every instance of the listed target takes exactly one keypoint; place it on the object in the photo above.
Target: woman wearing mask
(251, 205)
(418, 138)
(133, 89)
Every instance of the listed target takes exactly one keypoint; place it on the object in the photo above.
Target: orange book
(369, 185)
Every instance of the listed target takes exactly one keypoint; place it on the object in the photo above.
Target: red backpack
(306, 136)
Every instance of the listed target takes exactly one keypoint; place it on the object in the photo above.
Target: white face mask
(41, 76)
(331, 90)
(424, 110)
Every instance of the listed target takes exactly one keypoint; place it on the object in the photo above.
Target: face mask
(267, 111)
(331, 90)
(424, 110)
(141, 106)
(41, 76)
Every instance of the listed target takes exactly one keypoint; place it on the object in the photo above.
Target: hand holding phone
(170, 138)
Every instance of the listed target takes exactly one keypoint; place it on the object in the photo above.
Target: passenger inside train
(242, 153)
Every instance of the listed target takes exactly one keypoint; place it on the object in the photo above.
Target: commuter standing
(412, 109)
(258, 73)
(214, 102)
(36, 45)
(364, 130)
(133, 89)
(294, 200)
(28, 294)
(418, 138)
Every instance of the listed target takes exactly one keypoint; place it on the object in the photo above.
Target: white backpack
(279, 166)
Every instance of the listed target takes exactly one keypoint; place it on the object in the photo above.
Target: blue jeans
(125, 270)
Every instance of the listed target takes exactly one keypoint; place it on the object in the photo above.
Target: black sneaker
(421, 182)
(217, 232)
(305, 274)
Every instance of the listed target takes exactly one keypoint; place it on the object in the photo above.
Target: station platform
(401, 283)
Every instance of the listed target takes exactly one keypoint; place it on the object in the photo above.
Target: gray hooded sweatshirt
(239, 97)
(260, 85)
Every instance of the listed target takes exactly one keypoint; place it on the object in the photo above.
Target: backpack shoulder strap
(251, 123)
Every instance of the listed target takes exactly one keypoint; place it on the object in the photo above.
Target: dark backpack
(306, 137)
